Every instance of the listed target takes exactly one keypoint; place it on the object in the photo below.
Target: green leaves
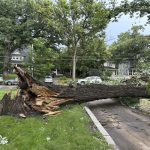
(49, 25)
(41, 58)
(140, 7)
(77, 24)
(130, 45)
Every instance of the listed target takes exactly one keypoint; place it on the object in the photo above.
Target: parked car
(11, 81)
(1, 80)
(48, 79)
(90, 80)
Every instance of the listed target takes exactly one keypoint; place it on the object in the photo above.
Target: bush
(10, 76)
(106, 75)
(129, 101)
(93, 72)
(63, 78)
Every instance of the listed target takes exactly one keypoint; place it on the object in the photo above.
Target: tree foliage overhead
(15, 27)
(140, 7)
(78, 23)
(21, 21)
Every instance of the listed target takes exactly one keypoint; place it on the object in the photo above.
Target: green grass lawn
(68, 131)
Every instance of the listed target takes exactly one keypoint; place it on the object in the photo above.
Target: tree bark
(6, 62)
(7, 57)
(74, 62)
(74, 68)
(87, 93)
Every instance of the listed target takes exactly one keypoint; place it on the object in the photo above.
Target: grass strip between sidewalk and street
(72, 130)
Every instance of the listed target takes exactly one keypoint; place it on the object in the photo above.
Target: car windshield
(93, 77)
(48, 77)
(88, 78)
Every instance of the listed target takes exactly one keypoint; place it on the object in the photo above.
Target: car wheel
(9, 83)
(82, 83)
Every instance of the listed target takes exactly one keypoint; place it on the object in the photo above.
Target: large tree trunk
(94, 92)
(7, 58)
(6, 62)
(37, 97)
(74, 64)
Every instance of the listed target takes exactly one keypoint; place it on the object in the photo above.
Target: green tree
(42, 59)
(131, 45)
(93, 56)
(140, 7)
(1, 60)
(143, 67)
(20, 22)
(78, 20)
(14, 27)
(90, 56)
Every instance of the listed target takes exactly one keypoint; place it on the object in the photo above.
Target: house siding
(122, 69)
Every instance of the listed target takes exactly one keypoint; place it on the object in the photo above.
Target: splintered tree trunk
(36, 97)
(16, 106)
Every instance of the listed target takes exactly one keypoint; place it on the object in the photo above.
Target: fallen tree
(36, 97)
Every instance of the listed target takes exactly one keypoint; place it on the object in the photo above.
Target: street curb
(101, 129)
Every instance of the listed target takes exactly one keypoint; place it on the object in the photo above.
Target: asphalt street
(129, 128)
(8, 87)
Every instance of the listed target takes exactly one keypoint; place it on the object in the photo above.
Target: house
(18, 56)
(124, 68)
(111, 66)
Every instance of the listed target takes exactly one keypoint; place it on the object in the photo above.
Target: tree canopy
(140, 7)
(73, 24)
(131, 45)
(78, 23)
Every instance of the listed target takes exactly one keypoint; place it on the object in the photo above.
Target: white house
(18, 56)
(125, 68)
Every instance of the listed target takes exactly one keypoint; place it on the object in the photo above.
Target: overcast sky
(124, 24)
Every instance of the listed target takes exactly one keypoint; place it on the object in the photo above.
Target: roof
(21, 52)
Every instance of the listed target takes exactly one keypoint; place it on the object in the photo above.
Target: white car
(11, 81)
(48, 79)
(90, 80)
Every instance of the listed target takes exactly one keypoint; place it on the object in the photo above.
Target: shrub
(129, 101)
(10, 76)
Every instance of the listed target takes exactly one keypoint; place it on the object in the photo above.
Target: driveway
(129, 128)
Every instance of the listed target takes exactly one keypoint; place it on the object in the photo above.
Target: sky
(124, 24)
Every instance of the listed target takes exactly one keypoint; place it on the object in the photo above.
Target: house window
(131, 72)
(116, 72)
